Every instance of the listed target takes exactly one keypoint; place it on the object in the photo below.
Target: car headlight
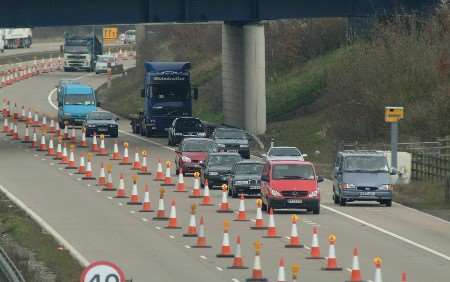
(243, 145)
(347, 186)
(240, 182)
(186, 159)
(202, 134)
(213, 173)
(91, 125)
(178, 134)
(113, 125)
(221, 145)
(275, 193)
(386, 187)
(313, 194)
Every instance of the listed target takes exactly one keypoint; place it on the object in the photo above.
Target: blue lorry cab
(75, 101)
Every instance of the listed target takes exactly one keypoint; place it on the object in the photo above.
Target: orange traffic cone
(51, 149)
(43, 145)
(144, 166)
(404, 277)
(121, 194)
(116, 155)
(36, 122)
(26, 137)
(378, 275)
(226, 248)
(173, 217)
(206, 201)
(11, 129)
(181, 187)
(81, 166)
(294, 239)
(73, 136)
(201, 238)
(356, 272)
(315, 248)
(146, 206)
(241, 214)
(271, 228)
(71, 164)
(136, 162)
(281, 271)
(331, 259)
(102, 150)
(196, 193)
(65, 156)
(134, 199)
(5, 125)
(159, 172)
(15, 135)
(66, 133)
(161, 212)
(83, 141)
(192, 227)
(88, 174)
(52, 128)
(259, 220)
(257, 274)
(125, 159)
(94, 145)
(224, 205)
(109, 186)
(101, 181)
(167, 176)
(59, 153)
(238, 261)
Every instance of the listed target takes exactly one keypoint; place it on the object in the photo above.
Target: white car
(284, 154)
(103, 61)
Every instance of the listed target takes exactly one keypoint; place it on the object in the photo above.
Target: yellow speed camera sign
(393, 114)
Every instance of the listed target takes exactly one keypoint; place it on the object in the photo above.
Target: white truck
(11, 38)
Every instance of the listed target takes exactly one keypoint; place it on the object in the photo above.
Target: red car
(192, 152)
(290, 185)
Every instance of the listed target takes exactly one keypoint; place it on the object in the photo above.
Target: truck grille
(76, 57)
(294, 193)
(363, 188)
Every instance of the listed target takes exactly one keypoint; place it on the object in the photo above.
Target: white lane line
(144, 219)
(187, 246)
(219, 268)
(171, 237)
(109, 198)
(120, 204)
(389, 233)
(132, 212)
(306, 247)
(74, 252)
(235, 280)
(203, 257)
(158, 227)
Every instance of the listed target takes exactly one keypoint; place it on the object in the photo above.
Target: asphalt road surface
(101, 227)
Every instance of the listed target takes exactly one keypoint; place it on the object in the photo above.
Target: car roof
(273, 162)
(196, 139)
(361, 153)
(77, 88)
(224, 154)
(228, 129)
(250, 162)
(283, 147)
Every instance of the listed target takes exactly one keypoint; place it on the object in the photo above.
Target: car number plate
(254, 187)
(367, 193)
(232, 151)
(294, 201)
(103, 129)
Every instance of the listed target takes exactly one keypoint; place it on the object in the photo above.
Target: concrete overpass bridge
(243, 42)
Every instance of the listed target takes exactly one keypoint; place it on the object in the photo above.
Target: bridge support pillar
(243, 76)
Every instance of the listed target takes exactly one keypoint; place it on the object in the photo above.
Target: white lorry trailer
(11, 38)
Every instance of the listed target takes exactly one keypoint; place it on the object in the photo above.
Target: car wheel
(388, 203)
(234, 194)
(342, 201)
(335, 198)
(316, 209)
(263, 206)
(62, 125)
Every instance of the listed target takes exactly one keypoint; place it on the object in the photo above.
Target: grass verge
(17, 228)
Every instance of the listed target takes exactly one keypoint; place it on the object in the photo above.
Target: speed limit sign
(102, 271)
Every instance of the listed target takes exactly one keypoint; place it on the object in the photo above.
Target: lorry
(167, 95)
(75, 102)
(80, 52)
(11, 38)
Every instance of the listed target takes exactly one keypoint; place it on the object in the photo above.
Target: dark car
(192, 152)
(362, 176)
(185, 127)
(217, 168)
(232, 140)
(101, 122)
(246, 178)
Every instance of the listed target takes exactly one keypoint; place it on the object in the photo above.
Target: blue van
(75, 101)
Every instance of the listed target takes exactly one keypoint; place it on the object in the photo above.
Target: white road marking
(389, 233)
(144, 219)
(235, 280)
(120, 204)
(187, 246)
(43, 159)
(219, 268)
(71, 174)
(98, 191)
(74, 252)
(171, 237)
(52, 164)
(203, 257)
(306, 247)
(158, 227)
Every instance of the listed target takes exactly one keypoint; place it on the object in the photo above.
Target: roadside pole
(393, 115)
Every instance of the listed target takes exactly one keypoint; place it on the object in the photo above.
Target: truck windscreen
(170, 91)
(76, 49)
(79, 99)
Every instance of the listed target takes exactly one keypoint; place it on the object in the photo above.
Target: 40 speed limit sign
(102, 271)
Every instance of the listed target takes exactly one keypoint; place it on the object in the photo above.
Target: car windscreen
(198, 146)
(365, 164)
(100, 116)
(188, 125)
(79, 99)
(230, 134)
(293, 171)
(249, 169)
(223, 160)
(284, 152)
(170, 91)
(103, 59)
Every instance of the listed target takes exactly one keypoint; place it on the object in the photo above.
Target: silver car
(284, 154)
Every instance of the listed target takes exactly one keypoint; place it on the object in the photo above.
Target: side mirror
(394, 171)
(195, 93)
(99, 104)
(320, 179)
(305, 155)
(117, 119)
(142, 93)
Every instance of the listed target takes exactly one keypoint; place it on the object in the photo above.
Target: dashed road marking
(120, 204)
(187, 246)
(235, 280)
(132, 212)
(171, 237)
(144, 219)
(109, 198)
(203, 257)
(219, 268)
(158, 227)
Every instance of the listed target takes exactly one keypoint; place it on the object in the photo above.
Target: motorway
(100, 227)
